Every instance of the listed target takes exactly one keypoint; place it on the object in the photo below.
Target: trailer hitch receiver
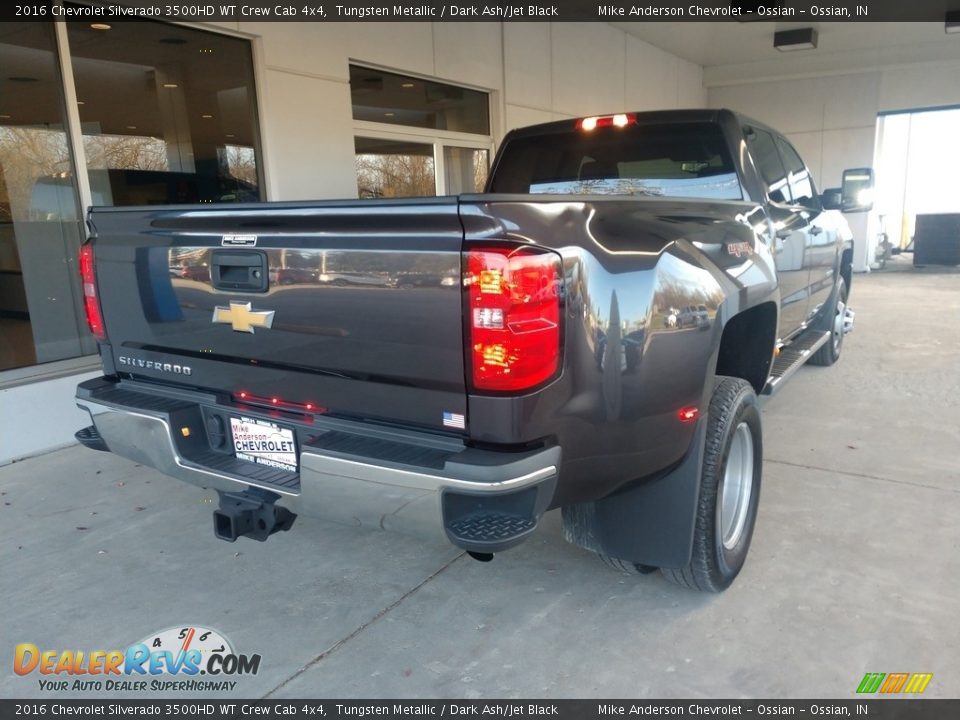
(253, 514)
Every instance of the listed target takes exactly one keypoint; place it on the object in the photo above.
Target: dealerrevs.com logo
(172, 660)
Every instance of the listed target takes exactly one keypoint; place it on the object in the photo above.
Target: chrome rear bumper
(479, 500)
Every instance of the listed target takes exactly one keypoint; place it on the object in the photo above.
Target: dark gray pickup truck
(590, 334)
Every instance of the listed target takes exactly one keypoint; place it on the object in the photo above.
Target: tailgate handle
(245, 270)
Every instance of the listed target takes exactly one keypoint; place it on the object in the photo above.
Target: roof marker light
(620, 120)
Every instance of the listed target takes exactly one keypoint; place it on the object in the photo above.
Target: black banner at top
(945, 11)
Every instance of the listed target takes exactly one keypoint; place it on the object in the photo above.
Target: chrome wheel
(737, 487)
(839, 323)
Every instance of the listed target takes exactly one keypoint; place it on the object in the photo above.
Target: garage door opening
(916, 198)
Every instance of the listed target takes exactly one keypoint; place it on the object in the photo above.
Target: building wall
(536, 72)
(831, 118)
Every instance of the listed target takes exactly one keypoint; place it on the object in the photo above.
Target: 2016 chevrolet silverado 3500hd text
(590, 334)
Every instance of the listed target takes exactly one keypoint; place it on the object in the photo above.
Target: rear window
(670, 160)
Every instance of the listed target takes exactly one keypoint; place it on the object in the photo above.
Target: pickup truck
(624, 290)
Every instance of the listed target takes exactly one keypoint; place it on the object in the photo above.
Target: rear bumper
(416, 484)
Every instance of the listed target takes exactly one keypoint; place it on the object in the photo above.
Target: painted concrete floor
(855, 564)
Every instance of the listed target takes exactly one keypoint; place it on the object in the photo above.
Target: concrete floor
(855, 564)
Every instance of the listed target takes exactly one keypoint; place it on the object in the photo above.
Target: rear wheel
(729, 489)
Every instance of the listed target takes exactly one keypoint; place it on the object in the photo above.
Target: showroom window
(168, 114)
(417, 137)
(165, 114)
(41, 319)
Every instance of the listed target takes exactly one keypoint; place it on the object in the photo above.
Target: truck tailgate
(353, 307)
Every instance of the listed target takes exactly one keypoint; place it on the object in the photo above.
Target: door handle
(814, 230)
(239, 270)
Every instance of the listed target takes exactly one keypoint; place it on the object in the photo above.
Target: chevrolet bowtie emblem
(242, 318)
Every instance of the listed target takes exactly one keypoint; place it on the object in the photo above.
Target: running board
(792, 357)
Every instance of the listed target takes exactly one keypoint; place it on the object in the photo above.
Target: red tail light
(514, 317)
(91, 303)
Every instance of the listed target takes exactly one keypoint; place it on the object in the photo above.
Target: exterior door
(791, 224)
(820, 251)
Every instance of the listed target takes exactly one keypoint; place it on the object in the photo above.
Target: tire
(830, 352)
(723, 530)
(625, 566)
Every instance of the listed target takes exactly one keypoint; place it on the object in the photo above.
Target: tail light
(91, 303)
(514, 317)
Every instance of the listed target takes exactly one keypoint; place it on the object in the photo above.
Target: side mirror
(832, 199)
(857, 191)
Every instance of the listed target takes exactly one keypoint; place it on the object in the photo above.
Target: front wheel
(829, 352)
(729, 489)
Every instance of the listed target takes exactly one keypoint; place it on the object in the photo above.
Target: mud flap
(650, 523)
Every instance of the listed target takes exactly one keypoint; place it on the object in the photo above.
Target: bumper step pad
(489, 531)
(90, 437)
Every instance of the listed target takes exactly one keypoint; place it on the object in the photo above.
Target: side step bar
(792, 358)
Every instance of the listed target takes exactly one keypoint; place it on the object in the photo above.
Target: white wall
(40, 417)
(536, 72)
(831, 118)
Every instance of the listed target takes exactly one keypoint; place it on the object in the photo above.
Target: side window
(767, 159)
(801, 184)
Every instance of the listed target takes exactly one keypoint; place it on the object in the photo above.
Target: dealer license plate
(264, 443)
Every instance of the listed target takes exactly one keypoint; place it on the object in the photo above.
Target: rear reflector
(688, 414)
(514, 317)
(91, 303)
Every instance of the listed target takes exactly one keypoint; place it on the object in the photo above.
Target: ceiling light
(389, 114)
(170, 85)
(80, 102)
(951, 23)
(407, 85)
(207, 117)
(131, 127)
(100, 26)
(230, 135)
(800, 39)
(4, 117)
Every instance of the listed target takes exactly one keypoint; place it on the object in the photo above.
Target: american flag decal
(454, 420)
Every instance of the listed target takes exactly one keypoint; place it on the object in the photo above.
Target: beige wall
(832, 118)
(536, 72)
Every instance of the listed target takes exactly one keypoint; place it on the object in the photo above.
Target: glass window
(384, 97)
(466, 169)
(769, 165)
(41, 316)
(443, 145)
(393, 168)
(168, 114)
(689, 160)
(801, 184)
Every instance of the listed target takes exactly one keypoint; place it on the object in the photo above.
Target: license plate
(264, 443)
